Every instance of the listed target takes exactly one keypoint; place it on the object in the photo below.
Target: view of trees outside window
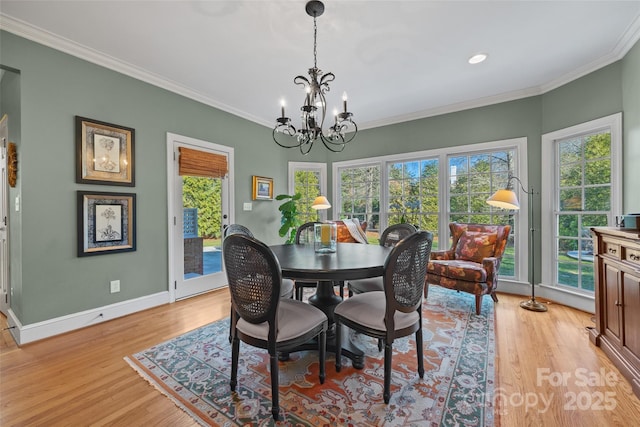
(360, 197)
(307, 184)
(204, 195)
(413, 194)
(472, 180)
(583, 201)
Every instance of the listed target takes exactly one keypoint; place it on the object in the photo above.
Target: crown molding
(46, 38)
(38, 35)
(453, 108)
(627, 40)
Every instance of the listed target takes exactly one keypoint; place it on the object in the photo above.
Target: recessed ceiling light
(476, 59)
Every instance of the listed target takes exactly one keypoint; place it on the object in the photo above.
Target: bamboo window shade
(201, 163)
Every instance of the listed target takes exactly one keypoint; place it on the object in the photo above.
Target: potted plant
(289, 211)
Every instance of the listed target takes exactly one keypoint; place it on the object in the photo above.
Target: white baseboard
(553, 293)
(24, 334)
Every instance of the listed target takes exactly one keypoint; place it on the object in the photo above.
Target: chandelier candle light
(507, 199)
(314, 108)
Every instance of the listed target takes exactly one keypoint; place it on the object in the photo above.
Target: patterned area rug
(193, 370)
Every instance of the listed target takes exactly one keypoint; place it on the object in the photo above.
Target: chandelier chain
(315, 43)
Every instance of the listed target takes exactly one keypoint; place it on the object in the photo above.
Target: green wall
(595, 95)
(55, 87)
(10, 105)
(631, 120)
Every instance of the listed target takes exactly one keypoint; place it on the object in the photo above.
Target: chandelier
(314, 109)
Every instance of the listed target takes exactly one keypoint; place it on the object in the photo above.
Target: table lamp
(320, 202)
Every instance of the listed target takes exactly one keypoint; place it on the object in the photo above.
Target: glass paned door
(201, 225)
(199, 211)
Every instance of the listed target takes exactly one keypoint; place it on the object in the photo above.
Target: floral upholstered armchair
(472, 263)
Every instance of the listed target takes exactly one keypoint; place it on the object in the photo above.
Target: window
(583, 192)
(310, 180)
(413, 194)
(473, 178)
(360, 197)
(431, 188)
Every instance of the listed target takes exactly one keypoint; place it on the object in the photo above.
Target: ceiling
(398, 60)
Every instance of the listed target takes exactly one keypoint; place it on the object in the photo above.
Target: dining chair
(287, 284)
(305, 234)
(389, 238)
(236, 228)
(259, 317)
(395, 312)
(286, 289)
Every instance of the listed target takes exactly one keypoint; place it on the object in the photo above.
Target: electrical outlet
(115, 286)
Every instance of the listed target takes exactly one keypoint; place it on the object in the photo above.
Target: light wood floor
(80, 378)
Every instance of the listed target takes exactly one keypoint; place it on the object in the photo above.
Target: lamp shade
(505, 199)
(321, 202)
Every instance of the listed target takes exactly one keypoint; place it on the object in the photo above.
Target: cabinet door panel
(612, 283)
(631, 293)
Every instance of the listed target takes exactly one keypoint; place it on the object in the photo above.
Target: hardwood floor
(80, 378)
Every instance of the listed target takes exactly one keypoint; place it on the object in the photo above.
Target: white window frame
(338, 166)
(575, 297)
(518, 144)
(293, 167)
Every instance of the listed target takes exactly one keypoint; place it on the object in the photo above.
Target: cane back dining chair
(473, 261)
(286, 289)
(260, 317)
(237, 229)
(395, 312)
(390, 237)
(287, 284)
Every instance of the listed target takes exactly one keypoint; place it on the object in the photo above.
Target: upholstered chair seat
(294, 319)
(368, 310)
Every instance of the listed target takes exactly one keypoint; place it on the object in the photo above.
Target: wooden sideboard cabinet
(617, 275)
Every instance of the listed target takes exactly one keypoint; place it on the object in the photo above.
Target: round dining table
(350, 261)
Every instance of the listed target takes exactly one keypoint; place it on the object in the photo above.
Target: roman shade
(201, 163)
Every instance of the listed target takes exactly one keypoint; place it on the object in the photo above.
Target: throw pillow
(345, 236)
(475, 246)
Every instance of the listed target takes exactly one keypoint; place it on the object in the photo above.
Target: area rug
(459, 351)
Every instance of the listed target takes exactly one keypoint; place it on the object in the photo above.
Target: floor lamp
(507, 199)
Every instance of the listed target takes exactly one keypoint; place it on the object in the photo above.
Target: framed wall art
(106, 222)
(104, 153)
(262, 188)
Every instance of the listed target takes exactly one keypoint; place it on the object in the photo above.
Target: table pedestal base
(349, 350)
(326, 300)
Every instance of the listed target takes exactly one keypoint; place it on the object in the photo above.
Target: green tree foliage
(307, 184)
(413, 193)
(360, 195)
(585, 188)
(204, 194)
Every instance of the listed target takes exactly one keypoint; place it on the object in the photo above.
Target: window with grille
(584, 192)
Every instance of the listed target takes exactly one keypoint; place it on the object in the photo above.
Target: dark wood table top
(350, 261)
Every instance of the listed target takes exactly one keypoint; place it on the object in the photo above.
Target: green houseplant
(289, 211)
